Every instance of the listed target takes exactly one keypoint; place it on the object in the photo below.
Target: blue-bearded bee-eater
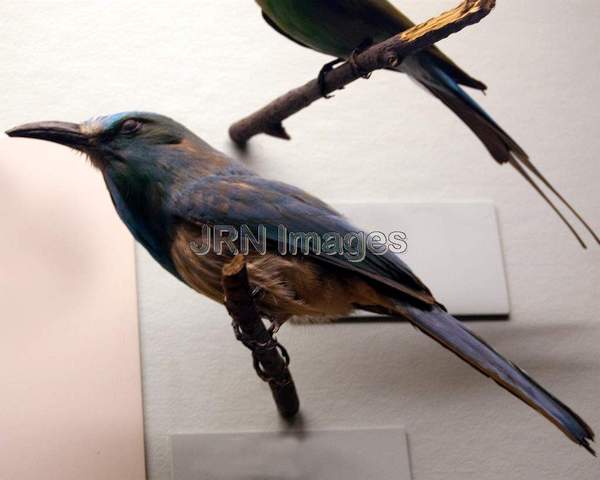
(169, 186)
(342, 27)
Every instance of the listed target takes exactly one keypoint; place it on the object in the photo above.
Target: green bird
(342, 27)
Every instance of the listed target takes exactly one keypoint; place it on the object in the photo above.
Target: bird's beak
(65, 133)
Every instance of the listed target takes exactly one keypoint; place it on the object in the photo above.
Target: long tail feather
(533, 169)
(500, 145)
(518, 167)
(453, 335)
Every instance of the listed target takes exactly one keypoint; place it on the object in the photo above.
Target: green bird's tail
(453, 335)
(441, 83)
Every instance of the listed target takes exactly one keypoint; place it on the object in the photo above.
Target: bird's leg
(356, 68)
(324, 71)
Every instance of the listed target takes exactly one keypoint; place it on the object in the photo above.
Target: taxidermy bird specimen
(169, 186)
(341, 28)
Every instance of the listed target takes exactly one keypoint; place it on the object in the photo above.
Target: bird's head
(125, 138)
(115, 138)
(142, 156)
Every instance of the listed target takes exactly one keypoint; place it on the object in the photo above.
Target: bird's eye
(130, 126)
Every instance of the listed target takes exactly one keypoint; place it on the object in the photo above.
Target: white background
(208, 62)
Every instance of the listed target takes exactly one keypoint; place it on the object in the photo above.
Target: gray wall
(206, 63)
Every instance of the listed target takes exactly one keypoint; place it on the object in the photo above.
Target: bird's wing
(275, 27)
(254, 201)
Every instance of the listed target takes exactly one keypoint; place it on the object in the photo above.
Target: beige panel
(69, 357)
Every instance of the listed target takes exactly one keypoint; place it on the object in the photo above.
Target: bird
(341, 28)
(171, 188)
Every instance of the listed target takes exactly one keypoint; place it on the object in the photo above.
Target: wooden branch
(270, 358)
(386, 54)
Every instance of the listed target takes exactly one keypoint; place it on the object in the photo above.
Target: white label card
(294, 455)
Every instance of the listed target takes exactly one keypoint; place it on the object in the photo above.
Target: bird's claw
(328, 67)
(356, 68)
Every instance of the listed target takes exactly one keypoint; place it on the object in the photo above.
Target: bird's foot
(356, 68)
(328, 67)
